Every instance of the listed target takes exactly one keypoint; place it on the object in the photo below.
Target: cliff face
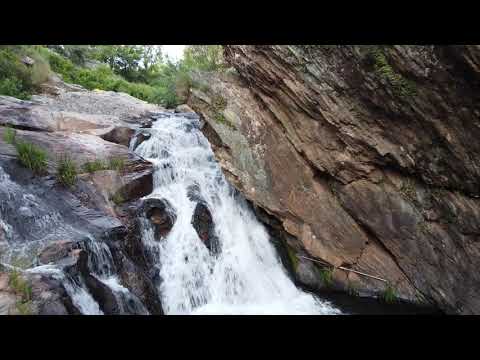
(366, 156)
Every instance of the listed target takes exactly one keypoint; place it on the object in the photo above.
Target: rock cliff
(364, 158)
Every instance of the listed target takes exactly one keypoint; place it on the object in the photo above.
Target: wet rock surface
(43, 222)
(203, 224)
(161, 215)
(361, 153)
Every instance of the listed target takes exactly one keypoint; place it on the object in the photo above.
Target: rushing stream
(246, 276)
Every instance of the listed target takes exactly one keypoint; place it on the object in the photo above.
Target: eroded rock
(203, 224)
(160, 214)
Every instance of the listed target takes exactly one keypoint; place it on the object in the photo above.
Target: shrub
(93, 166)
(389, 295)
(9, 135)
(32, 157)
(66, 171)
(15, 76)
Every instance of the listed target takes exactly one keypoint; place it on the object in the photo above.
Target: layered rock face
(43, 223)
(366, 156)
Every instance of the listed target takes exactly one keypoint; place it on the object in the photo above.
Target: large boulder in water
(203, 224)
(160, 214)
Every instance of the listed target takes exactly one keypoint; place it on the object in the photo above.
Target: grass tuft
(117, 164)
(66, 171)
(93, 166)
(22, 288)
(389, 294)
(117, 198)
(9, 135)
(32, 157)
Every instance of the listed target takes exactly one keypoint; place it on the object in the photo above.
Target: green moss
(66, 171)
(293, 257)
(401, 86)
(9, 135)
(32, 157)
(327, 276)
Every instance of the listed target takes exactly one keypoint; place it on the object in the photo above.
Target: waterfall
(29, 222)
(246, 276)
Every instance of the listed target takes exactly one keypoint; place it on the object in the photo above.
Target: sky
(174, 52)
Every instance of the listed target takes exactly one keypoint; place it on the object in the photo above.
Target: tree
(203, 57)
(124, 60)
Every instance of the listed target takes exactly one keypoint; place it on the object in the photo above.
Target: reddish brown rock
(367, 155)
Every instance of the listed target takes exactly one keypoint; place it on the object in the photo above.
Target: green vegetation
(66, 171)
(9, 135)
(327, 276)
(19, 79)
(140, 71)
(93, 166)
(292, 256)
(389, 294)
(400, 85)
(117, 164)
(117, 198)
(32, 157)
(114, 163)
(23, 289)
(204, 57)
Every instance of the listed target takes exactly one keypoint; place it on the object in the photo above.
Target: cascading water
(29, 222)
(246, 276)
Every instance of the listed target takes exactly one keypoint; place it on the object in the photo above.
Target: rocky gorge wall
(364, 158)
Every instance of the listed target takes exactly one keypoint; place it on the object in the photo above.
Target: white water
(247, 277)
(81, 298)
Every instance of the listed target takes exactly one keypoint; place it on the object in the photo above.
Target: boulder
(203, 224)
(103, 295)
(184, 108)
(140, 138)
(56, 251)
(119, 135)
(160, 214)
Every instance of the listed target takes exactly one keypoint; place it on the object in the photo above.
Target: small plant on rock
(327, 276)
(93, 166)
(9, 135)
(32, 157)
(66, 171)
(117, 198)
(23, 289)
(389, 294)
(117, 164)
